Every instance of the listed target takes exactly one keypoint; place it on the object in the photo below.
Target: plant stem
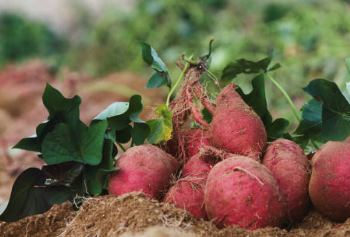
(290, 103)
(177, 83)
(286, 96)
(121, 146)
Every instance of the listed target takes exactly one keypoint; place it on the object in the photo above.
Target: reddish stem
(198, 89)
(195, 112)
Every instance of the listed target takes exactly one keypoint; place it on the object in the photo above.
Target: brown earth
(110, 216)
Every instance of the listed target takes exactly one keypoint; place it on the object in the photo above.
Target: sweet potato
(195, 139)
(188, 194)
(329, 186)
(196, 167)
(291, 168)
(241, 191)
(236, 127)
(201, 163)
(144, 168)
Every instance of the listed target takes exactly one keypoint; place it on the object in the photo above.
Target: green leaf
(80, 144)
(56, 103)
(274, 67)
(139, 133)
(123, 135)
(120, 115)
(151, 57)
(311, 124)
(29, 143)
(30, 197)
(302, 141)
(79, 185)
(59, 194)
(61, 110)
(156, 81)
(162, 127)
(114, 109)
(247, 67)
(335, 109)
(97, 176)
(257, 100)
(276, 129)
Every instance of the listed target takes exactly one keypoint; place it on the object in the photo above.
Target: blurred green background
(310, 38)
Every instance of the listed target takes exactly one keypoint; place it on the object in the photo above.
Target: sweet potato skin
(188, 194)
(200, 164)
(291, 168)
(236, 127)
(196, 167)
(144, 168)
(329, 186)
(241, 191)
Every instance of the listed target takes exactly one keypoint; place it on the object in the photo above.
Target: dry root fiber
(184, 109)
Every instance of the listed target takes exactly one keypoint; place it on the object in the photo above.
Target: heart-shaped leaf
(61, 110)
(79, 143)
(29, 196)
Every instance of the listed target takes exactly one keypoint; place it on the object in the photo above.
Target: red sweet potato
(144, 168)
(236, 127)
(329, 186)
(201, 163)
(291, 168)
(195, 139)
(188, 194)
(241, 191)
(197, 167)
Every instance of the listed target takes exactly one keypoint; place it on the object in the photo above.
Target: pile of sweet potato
(233, 176)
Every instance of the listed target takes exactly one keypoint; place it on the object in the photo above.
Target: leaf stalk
(177, 83)
(121, 146)
(285, 95)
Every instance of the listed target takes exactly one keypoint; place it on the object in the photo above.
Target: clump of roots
(185, 110)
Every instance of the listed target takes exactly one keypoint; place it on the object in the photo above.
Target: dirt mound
(108, 216)
(49, 224)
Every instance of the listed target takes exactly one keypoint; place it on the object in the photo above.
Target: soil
(126, 215)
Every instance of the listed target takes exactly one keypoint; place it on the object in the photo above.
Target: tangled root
(184, 109)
